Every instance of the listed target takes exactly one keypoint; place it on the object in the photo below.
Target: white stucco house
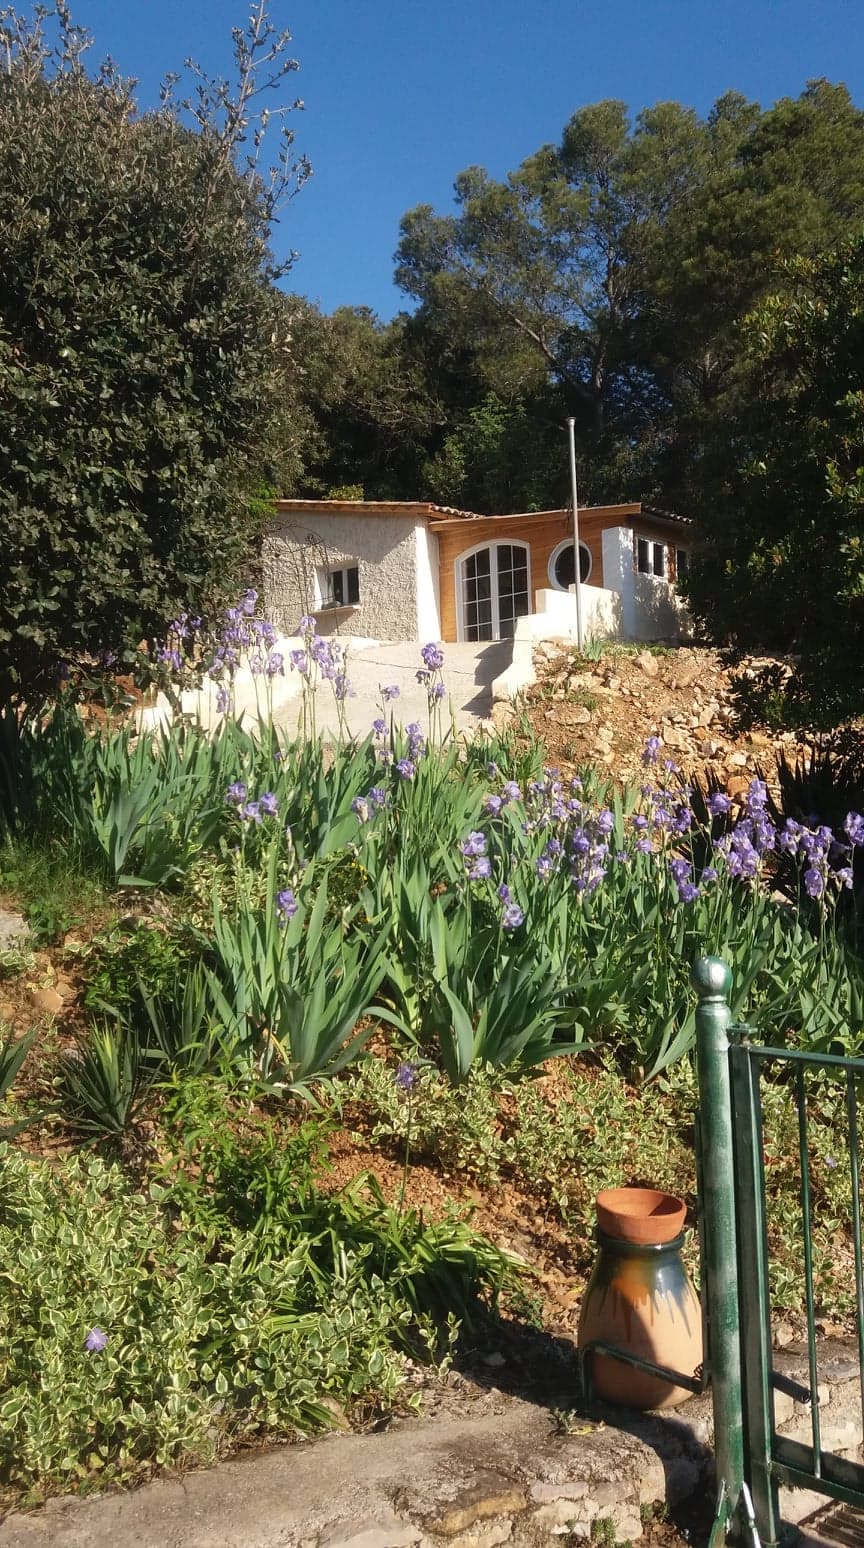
(405, 570)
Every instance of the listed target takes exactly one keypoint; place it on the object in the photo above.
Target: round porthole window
(562, 571)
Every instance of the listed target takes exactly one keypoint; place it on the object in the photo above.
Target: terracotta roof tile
(411, 508)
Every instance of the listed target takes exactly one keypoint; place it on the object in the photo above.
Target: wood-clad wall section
(542, 532)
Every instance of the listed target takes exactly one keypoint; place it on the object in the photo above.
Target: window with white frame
(561, 568)
(339, 586)
(651, 558)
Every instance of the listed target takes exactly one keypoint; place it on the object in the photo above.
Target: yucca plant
(13, 1052)
(102, 1082)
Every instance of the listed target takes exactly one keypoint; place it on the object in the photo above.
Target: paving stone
(544, 1493)
(558, 1513)
(487, 1535)
(370, 1534)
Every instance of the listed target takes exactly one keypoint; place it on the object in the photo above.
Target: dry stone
(478, 1504)
(14, 933)
(48, 1000)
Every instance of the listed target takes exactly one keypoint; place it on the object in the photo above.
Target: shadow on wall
(659, 613)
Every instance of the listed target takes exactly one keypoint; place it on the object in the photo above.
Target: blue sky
(400, 95)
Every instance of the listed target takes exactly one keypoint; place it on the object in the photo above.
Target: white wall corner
(619, 574)
(427, 562)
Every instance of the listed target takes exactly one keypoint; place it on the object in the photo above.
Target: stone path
(501, 1470)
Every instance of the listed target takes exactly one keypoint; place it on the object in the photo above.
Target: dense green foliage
(787, 534)
(140, 358)
(472, 908)
(254, 1303)
(606, 278)
(494, 920)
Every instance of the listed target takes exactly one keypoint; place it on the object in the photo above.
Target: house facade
(414, 570)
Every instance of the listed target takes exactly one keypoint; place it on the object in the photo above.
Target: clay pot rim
(645, 1216)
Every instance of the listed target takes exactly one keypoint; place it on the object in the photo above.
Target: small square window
(682, 563)
(651, 558)
(340, 587)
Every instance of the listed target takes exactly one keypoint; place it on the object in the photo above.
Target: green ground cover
(389, 937)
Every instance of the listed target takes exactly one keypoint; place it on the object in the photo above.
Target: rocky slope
(603, 713)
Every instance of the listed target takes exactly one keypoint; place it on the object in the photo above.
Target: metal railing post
(712, 981)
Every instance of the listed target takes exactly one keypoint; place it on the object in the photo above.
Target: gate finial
(711, 977)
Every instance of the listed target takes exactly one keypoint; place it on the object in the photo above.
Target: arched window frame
(493, 545)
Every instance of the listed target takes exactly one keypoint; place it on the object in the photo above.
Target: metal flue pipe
(577, 562)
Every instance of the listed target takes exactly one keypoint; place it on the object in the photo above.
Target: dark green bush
(139, 360)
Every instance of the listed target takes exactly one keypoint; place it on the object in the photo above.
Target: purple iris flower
(406, 1076)
(814, 882)
(493, 805)
(474, 845)
(512, 917)
(605, 821)
(854, 828)
(236, 793)
(757, 797)
(379, 726)
(651, 751)
(481, 869)
(377, 796)
(688, 892)
(504, 893)
(286, 905)
(276, 663)
(433, 658)
(269, 804)
(360, 807)
(251, 811)
(511, 790)
(390, 692)
(405, 768)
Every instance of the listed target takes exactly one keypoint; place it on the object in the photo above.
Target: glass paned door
(494, 591)
(512, 587)
(477, 596)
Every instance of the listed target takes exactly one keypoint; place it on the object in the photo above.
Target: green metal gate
(752, 1458)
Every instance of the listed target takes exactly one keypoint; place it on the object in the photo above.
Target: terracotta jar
(640, 1299)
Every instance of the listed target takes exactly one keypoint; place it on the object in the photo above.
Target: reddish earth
(602, 713)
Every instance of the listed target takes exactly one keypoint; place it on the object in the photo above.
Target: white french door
(493, 590)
